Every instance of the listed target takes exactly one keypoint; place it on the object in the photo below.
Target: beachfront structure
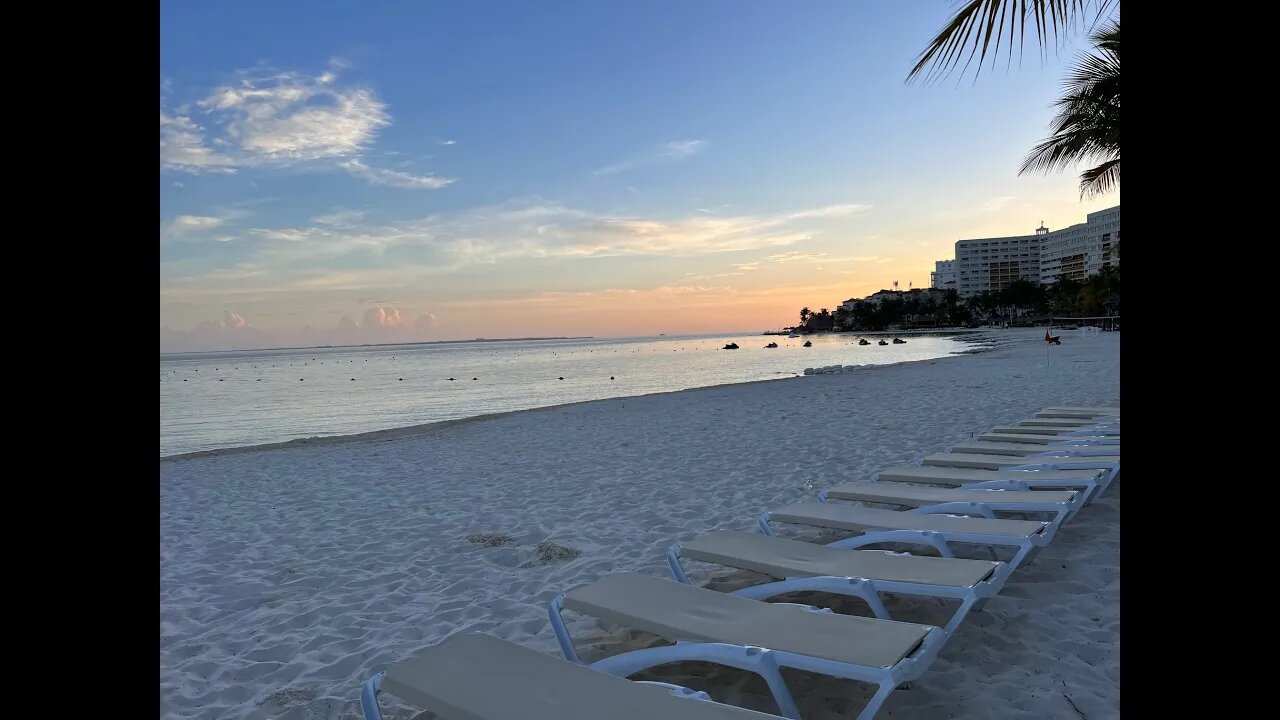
(990, 264)
(1081, 250)
(1075, 252)
(935, 294)
(878, 297)
(943, 276)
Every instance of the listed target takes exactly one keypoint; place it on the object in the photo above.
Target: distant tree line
(1099, 294)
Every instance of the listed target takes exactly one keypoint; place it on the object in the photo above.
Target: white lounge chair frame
(868, 589)
(985, 508)
(1024, 481)
(764, 662)
(1058, 461)
(1027, 546)
(370, 690)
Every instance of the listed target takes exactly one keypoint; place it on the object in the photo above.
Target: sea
(210, 401)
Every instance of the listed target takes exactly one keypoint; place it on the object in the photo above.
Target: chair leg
(886, 687)
(970, 603)
(781, 693)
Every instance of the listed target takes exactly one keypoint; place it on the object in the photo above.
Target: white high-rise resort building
(1076, 252)
(1080, 250)
(943, 276)
(990, 264)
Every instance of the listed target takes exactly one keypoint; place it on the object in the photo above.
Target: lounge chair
(750, 635)
(1080, 412)
(916, 528)
(1078, 422)
(801, 566)
(1061, 504)
(1091, 440)
(471, 676)
(1060, 430)
(1021, 449)
(1085, 481)
(1050, 460)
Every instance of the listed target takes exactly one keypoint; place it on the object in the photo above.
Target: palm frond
(1100, 180)
(1087, 124)
(977, 21)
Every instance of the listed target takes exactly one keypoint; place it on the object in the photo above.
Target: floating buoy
(561, 378)
(475, 378)
(401, 379)
(452, 379)
(610, 377)
(353, 379)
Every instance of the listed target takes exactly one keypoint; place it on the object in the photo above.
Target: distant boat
(863, 341)
(793, 335)
(882, 342)
(899, 341)
(772, 345)
(808, 343)
(730, 346)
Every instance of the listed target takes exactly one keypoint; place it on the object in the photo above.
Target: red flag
(1046, 336)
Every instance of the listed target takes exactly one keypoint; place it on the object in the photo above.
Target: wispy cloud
(996, 204)
(340, 218)
(448, 142)
(307, 257)
(669, 151)
(182, 147)
(289, 117)
(986, 207)
(716, 275)
(790, 257)
(190, 228)
(394, 178)
(194, 223)
(682, 148)
(283, 119)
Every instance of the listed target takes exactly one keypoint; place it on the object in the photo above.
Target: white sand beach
(290, 575)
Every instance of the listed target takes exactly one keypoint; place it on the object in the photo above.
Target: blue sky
(357, 172)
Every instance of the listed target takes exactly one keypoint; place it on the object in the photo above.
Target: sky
(348, 173)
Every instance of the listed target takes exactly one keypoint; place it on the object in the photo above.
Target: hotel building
(1076, 252)
(943, 276)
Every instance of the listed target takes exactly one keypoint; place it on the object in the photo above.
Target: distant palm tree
(804, 314)
(1087, 126)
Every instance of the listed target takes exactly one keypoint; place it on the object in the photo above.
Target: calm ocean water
(219, 400)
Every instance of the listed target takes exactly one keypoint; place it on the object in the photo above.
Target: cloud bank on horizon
(421, 190)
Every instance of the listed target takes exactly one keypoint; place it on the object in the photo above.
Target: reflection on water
(217, 400)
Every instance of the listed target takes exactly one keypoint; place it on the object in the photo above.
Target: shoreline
(408, 431)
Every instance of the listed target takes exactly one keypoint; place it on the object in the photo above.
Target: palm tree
(804, 314)
(1087, 126)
